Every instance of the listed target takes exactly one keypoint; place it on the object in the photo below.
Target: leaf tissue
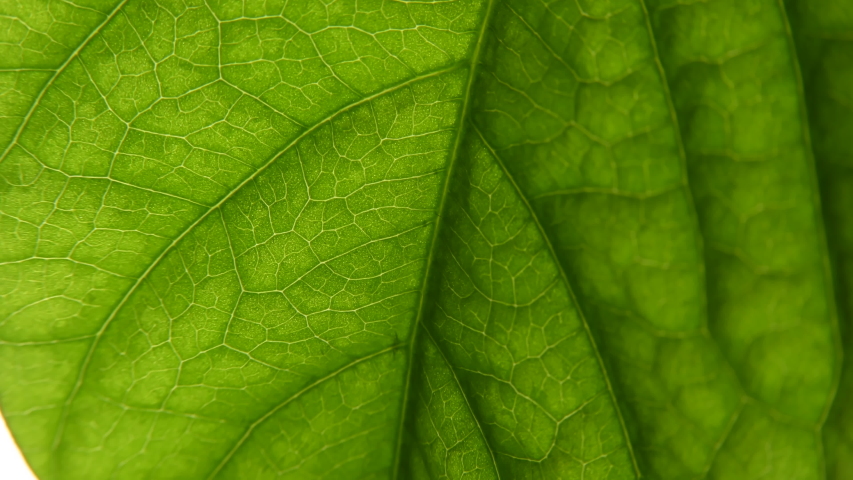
(427, 239)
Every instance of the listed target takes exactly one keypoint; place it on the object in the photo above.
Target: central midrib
(473, 66)
(464, 121)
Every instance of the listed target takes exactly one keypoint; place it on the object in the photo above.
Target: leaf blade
(729, 152)
(823, 35)
(236, 217)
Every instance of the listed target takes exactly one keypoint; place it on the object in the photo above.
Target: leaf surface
(386, 239)
(824, 33)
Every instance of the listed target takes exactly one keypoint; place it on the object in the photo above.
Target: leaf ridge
(682, 155)
(547, 241)
(822, 239)
(679, 141)
(821, 234)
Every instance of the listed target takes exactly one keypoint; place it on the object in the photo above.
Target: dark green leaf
(824, 31)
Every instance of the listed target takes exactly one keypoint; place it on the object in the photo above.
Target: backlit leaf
(461, 239)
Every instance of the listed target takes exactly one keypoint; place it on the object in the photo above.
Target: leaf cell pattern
(454, 239)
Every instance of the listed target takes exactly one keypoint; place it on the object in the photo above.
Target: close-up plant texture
(449, 239)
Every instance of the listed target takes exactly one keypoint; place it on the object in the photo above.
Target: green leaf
(424, 239)
(825, 40)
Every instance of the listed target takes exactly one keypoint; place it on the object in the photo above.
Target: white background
(12, 464)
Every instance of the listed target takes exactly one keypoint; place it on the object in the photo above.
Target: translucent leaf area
(427, 239)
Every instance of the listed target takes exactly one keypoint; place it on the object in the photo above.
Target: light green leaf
(415, 239)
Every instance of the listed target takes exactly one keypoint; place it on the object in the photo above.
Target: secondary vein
(287, 401)
(467, 402)
(56, 73)
(87, 359)
(547, 240)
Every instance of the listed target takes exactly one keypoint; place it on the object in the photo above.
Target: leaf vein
(290, 399)
(84, 366)
(547, 240)
(55, 75)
